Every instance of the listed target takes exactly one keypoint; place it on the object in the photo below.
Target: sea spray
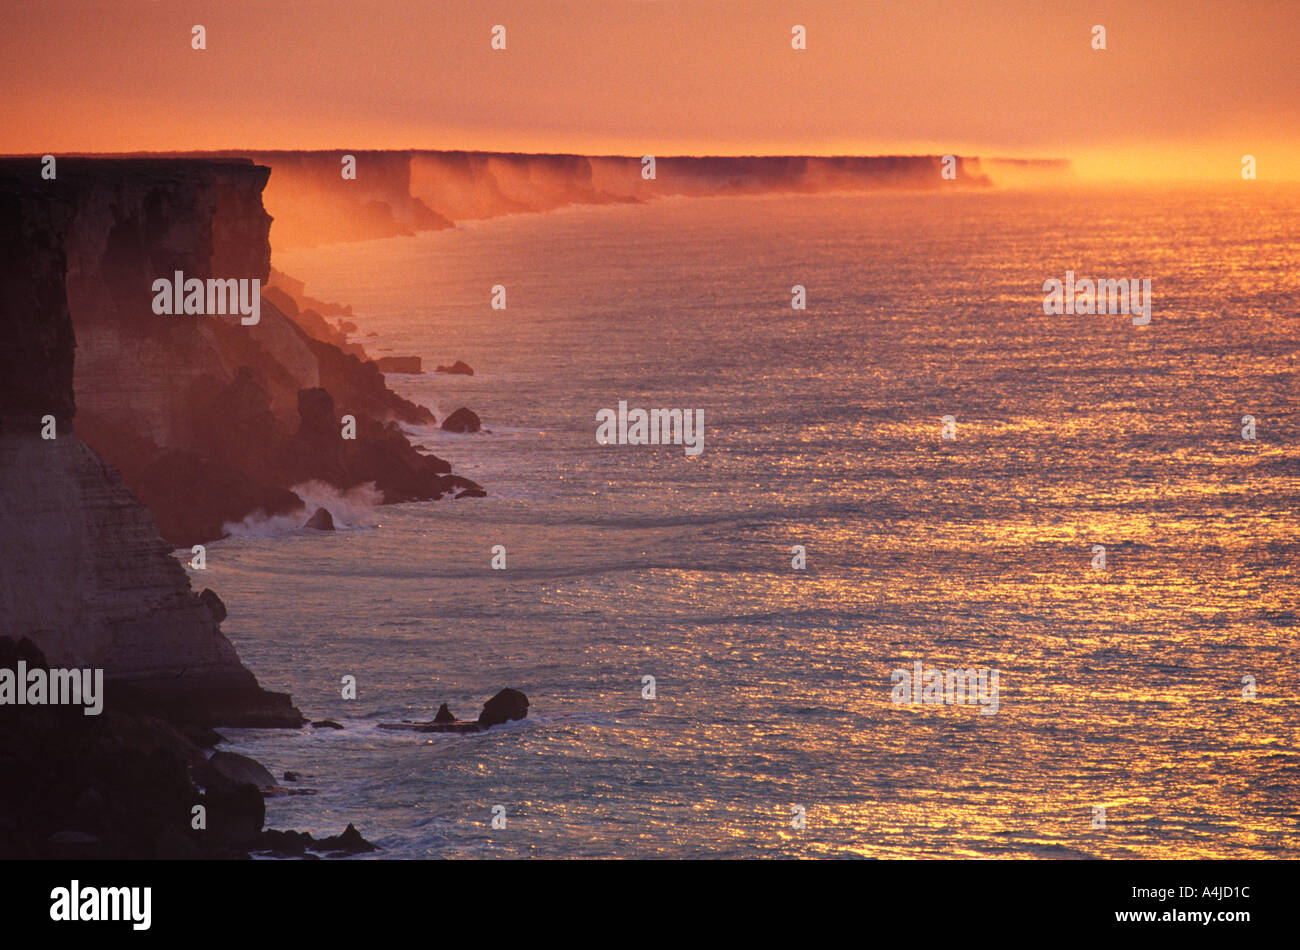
(354, 508)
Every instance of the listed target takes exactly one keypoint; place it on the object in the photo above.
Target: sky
(1183, 89)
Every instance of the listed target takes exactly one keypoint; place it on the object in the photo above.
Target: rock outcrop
(200, 413)
(118, 785)
(463, 420)
(322, 520)
(507, 705)
(83, 571)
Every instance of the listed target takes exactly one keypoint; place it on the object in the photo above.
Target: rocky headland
(206, 419)
(86, 580)
(402, 192)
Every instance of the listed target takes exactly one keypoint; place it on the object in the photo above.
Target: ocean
(1147, 709)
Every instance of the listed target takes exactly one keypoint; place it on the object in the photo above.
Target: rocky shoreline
(127, 784)
(124, 434)
(209, 420)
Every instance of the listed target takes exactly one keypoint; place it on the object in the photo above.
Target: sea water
(1146, 709)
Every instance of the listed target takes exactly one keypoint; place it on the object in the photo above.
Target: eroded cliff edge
(207, 419)
(83, 572)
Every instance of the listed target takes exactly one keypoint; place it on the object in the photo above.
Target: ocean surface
(1121, 688)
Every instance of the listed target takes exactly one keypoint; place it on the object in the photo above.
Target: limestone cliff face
(86, 575)
(314, 204)
(464, 185)
(201, 413)
(402, 192)
(83, 571)
(145, 220)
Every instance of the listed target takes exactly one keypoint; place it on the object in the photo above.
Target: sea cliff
(84, 573)
(209, 420)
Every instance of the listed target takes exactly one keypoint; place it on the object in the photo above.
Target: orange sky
(1184, 89)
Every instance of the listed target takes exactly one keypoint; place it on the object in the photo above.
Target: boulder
(504, 706)
(444, 714)
(322, 520)
(215, 607)
(462, 420)
(235, 813)
(459, 368)
(241, 769)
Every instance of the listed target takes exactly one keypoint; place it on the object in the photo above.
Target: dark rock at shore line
(322, 520)
(283, 844)
(214, 604)
(462, 420)
(202, 736)
(454, 483)
(504, 706)
(325, 724)
(290, 776)
(186, 702)
(350, 841)
(471, 493)
(120, 785)
(235, 813)
(410, 365)
(296, 844)
(239, 769)
(459, 368)
(380, 453)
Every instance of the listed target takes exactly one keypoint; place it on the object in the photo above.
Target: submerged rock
(462, 420)
(471, 493)
(325, 724)
(322, 520)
